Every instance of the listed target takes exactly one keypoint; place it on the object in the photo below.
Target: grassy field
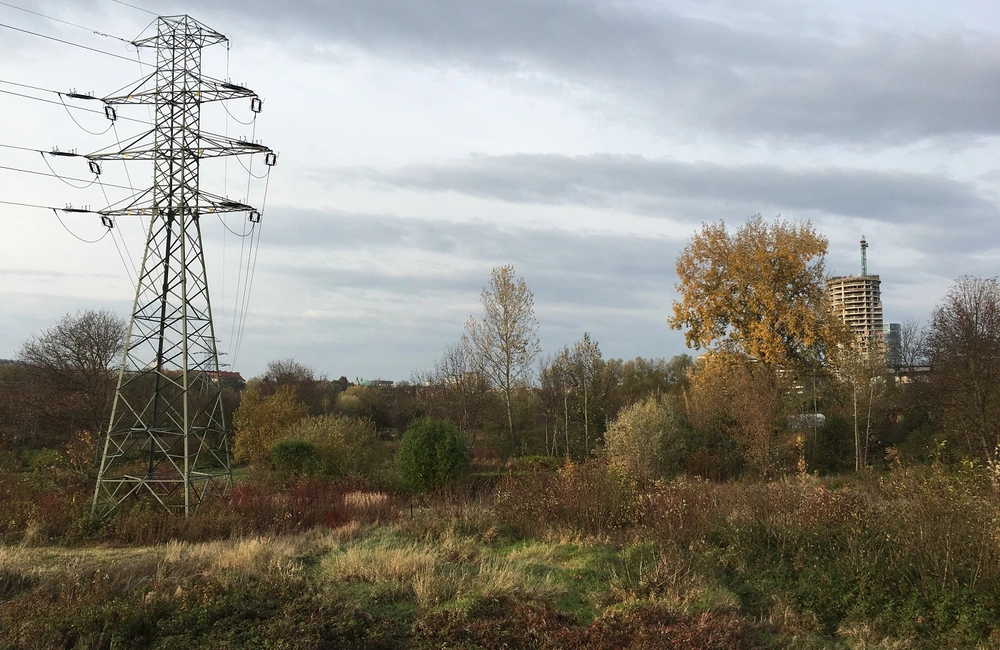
(576, 559)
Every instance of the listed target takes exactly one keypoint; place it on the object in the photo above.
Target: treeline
(782, 386)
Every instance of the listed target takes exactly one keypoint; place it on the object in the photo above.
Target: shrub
(595, 498)
(647, 439)
(296, 457)
(39, 459)
(260, 421)
(522, 464)
(344, 445)
(431, 455)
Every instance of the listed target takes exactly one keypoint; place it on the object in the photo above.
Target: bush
(40, 459)
(523, 464)
(648, 440)
(296, 457)
(344, 445)
(260, 420)
(431, 455)
(595, 498)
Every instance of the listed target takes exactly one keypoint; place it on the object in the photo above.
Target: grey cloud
(605, 179)
(559, 251)
(50, 275)
(682, 71)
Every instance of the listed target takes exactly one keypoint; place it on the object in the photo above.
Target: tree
(759, 291)
(71, 367)
(318, 393)
(585, 364)
(261, 420)
(431, 455)
(735, 397)
(554, 393)
(963, 346)
(505, 340)
(862, 371)
(457, 389)
(912, 345)
(641, 378)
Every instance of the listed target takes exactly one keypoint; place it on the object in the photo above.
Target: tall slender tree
(505, 339)
(585, 362)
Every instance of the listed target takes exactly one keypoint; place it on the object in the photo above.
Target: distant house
(375, 383)
(227, 379)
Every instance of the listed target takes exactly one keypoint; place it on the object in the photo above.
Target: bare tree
(912, 345)
(963, 346)
(862, 372)
(585, 361)
(460, 388)
(505, 340)
(554, 376)
(71, 366)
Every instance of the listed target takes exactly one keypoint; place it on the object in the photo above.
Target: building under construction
(857, 300)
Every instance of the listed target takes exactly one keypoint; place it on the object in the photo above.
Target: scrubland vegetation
(582, 556)
(583, 503)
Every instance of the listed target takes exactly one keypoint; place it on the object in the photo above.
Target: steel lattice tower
(167, 436)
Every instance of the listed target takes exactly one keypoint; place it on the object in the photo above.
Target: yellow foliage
(260, 421)
(760, 290)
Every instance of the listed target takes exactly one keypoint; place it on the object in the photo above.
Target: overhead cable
(65, 42)
(60, 103)
(65, 22)
(60, 177)
(134, 7)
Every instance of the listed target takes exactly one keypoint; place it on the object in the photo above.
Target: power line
(85, 241)
(56, 212)
(59, 40)
(14, 83)
(65, 22)
(128, 272)
(62, 178)
(252, 270)
(14, 146)
(77, 122)
(67, 180)
(28, 205)
(55, 103)
(152, 13)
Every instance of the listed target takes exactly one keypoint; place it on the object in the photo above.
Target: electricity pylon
(167, 436)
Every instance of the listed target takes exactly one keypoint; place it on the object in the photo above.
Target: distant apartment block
(892, 337)
(857, 301)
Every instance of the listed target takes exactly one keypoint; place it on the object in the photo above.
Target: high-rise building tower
(857, 300)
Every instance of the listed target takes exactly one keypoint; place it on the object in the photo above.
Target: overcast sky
(424, 142)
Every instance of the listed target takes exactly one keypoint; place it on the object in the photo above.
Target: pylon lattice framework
(167, 435)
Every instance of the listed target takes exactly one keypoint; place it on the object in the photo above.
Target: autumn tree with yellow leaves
(759, 291)
(755, 298)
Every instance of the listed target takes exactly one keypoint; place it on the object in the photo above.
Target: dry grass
(435, 572)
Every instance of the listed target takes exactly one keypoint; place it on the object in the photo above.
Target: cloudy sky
(423, 142)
